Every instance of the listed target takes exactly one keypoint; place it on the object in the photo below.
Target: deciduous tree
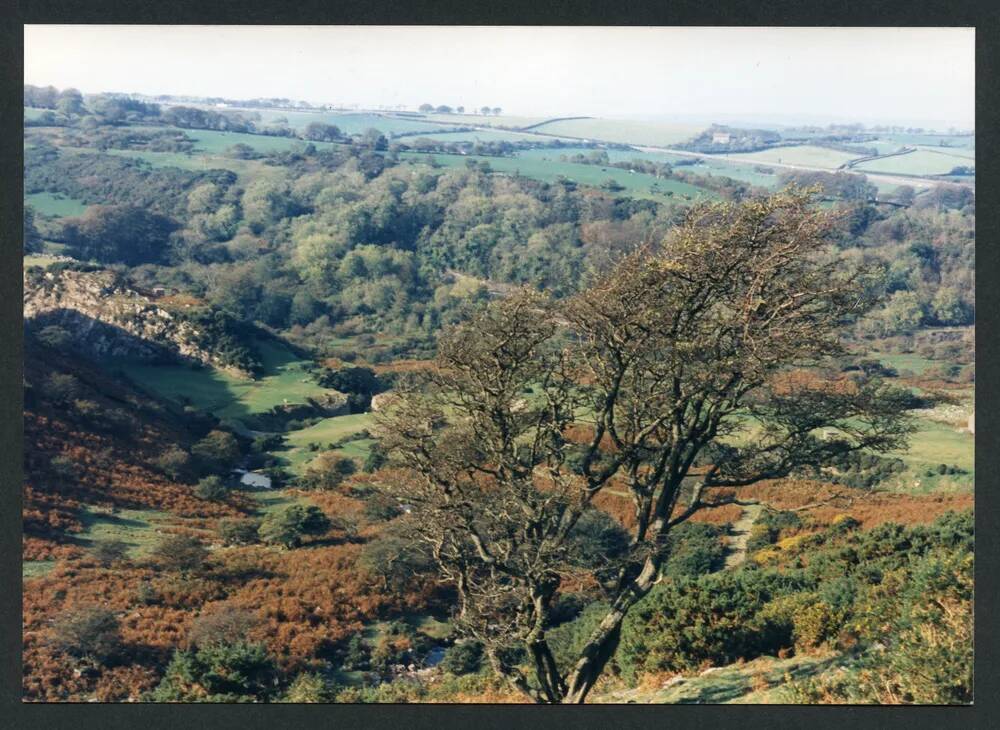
(686, 364)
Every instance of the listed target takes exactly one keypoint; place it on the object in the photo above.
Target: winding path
(739, 535)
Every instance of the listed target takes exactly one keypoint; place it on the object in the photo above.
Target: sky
(908, 76)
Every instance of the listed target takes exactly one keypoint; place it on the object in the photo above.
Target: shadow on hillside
(731, 684)
(157, 368)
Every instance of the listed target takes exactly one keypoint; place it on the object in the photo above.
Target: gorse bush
(240, 672)
(906, 590)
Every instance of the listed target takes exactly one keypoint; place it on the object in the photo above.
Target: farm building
(721, 138)
(253, 480)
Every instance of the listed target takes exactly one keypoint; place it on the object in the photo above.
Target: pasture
(661, 134)
(959, 141)
(920, 162)
(635, 184)
(326, 432)
(137, 528)
(804, 155)
(225, 395)
(55, 204)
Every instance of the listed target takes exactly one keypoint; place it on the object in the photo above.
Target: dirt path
(739, 536)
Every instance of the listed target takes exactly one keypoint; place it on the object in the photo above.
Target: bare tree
(692, 370)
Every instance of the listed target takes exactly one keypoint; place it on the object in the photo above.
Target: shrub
(238, 531)
(61, 388)
(108, 552)
(174, 462)
(211, 488)
(240, 672)
(89, 633)
(309, 688)
(54, 336)
(380, 509)
(287, 527)
(396, 559)
(327, 471)
(711, 619)
(218, 451)
(463, 658)
(813, 625)
(694, 548)
(221, 625)
(62, 466)
(356, 654)
(182, 553)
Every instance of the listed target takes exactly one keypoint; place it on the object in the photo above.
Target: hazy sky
(907, 75)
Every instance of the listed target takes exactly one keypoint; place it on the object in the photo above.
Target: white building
(253, 479)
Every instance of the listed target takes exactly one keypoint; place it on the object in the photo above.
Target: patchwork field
(623, 131)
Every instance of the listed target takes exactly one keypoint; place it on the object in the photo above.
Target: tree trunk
(604, 641)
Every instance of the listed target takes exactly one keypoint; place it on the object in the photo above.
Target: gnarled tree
(694, 369)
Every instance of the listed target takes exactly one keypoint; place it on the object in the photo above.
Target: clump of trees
(669, 352)
(287, 527)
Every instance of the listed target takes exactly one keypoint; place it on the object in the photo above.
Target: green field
(920, 162)
(965, 141)
(37, 259)
(325, 432)
(635, 184)
(55, 204)
(137, 528)
(225, 395)
(805, 155)
(624, 131)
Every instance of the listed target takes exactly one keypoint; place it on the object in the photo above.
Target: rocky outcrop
(108, 319)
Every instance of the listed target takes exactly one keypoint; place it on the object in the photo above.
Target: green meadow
(920, 162)
(805, 155)
(285, 379)
(328, 431)
(635, 184)
(55, 204)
